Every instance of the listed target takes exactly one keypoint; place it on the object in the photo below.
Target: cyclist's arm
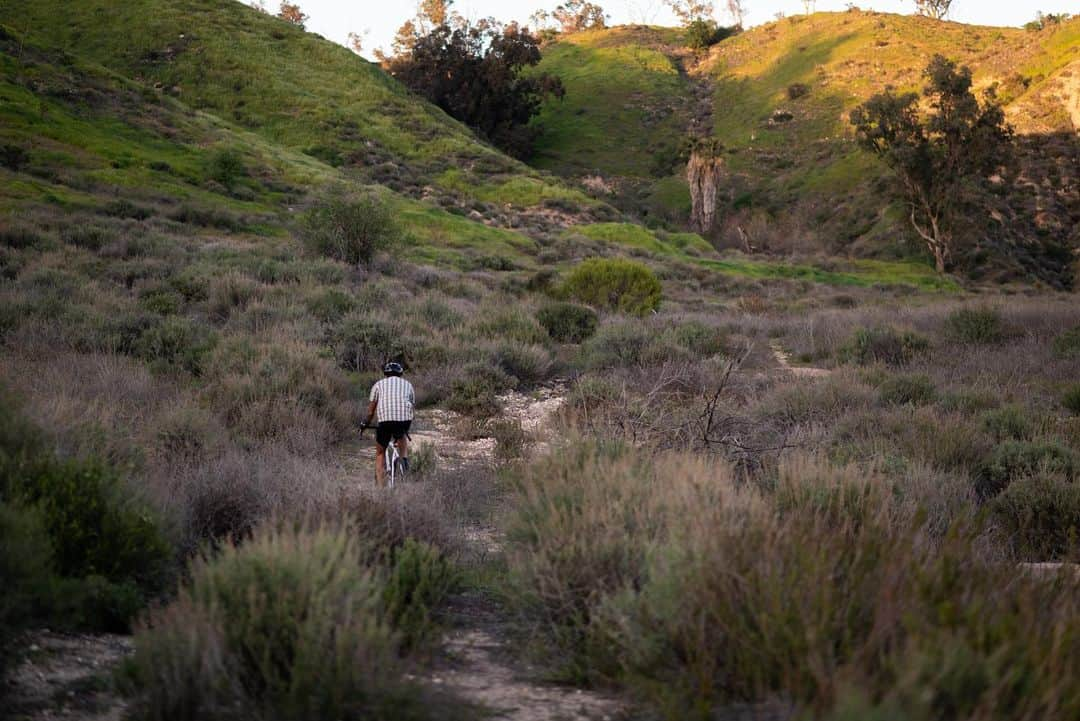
(371, 412)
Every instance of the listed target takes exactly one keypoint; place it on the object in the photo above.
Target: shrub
(474, 392)
(289, 625)
(364, 343)
(615, 284)
(330, 304)
(567, 322)
(527, 363)
(92, 529)
(883, 344)
(176, 343)
(349, 229)
(123, 208)
(89, 237)
(13, 157)
(26, 569)
(1007, 423)
(975, 325)
(703, 34)
(510, 323)
(797, 90)
(907, 390)
(21, 237)
(1041, 517)
(419, 581)
(1070, 399)
(615, 345)
(700, 339)
(207, 218)
(1067, 344)
(1012, 460)
(511, 440)
(969, 401)
(226, 167)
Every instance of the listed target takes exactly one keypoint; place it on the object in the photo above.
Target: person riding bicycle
(392, 401)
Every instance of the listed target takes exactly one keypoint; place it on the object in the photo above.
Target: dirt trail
(783, 359)
(67, 676)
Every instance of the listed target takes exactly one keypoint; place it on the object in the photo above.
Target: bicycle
(395, 466)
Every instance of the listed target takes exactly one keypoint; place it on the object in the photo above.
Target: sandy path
(783, 359)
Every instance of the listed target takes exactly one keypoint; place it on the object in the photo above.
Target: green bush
(567, 322)
(26, 570)
(176, 343)
(1041, 517)
(1008, 423)
(364, 343)
(511, 440)
(89, 237)
(975, 325)
(1067, 344)
(226, 166)
(1013, 460)
(1070, 399)
(13, 157)
(883, 344)
(93, 529)
(293, 624)
(703, 34)
(614, 284)
(510, 323)
(123, 208)
(617, 344)
(419, 581)
(527, 363)
(903, 390)
(474, 392)
(350, 229)
(703, 341)
(329, 305)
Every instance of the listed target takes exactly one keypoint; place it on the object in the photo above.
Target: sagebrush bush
(1009, 422)
(617, 344)
(226, 166)
(1041, 518)
(1013, 460)
(363, 342)
(350, 229)
(511, 440)
(567, 322)
(292, 624)
(1067, 344)
(527, 363)
(176, 344)
(975, 325)
(513, 323)
(419, 581)
(883, 344)
(700, 339)
(474, 392)
(329, 305)
(904, 390)
(614, 284)
(1070, 399)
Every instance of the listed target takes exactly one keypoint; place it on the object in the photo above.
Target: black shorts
(391, 429)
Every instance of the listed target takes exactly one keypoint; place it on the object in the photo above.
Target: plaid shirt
(395, 398)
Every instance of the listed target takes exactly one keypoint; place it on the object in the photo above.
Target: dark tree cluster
(473, 71)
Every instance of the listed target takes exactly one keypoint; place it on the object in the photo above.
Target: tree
(473, 72)
(689, 11)
(259, 5)
(577, 15)
(942, 161)
(936, 9)
(356, 42)
(291, 13)
(809, 6)
(737, 10)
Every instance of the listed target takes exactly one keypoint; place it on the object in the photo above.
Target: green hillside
(780, 97)
(289, 87)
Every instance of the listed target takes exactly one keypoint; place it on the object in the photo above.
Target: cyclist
(392, 401)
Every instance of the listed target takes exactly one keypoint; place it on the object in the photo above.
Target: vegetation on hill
(780, 95)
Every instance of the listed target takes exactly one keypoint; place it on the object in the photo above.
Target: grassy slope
(625, 100)
(292, 88)
(805, 171)
(93, 136)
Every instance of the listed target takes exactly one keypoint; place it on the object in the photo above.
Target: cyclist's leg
(403, 444)
(380, 465)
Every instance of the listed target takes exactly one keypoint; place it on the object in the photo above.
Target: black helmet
(392, 368)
